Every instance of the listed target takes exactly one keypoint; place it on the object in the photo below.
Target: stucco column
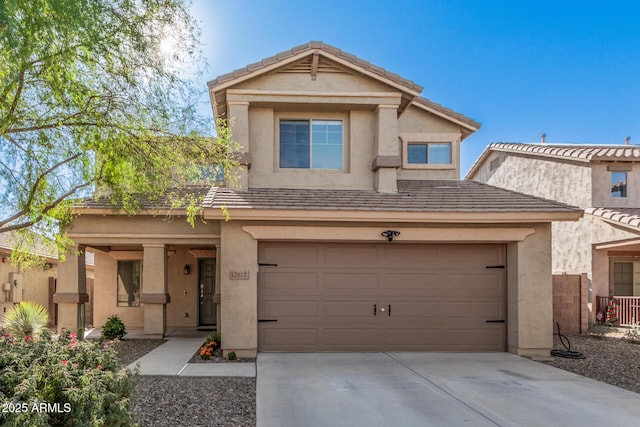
(71, 291)
(239, 291)
(155, 290)
(530, 294)
(387, 159)
(239, 115)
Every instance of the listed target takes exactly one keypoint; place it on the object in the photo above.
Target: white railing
(627, 309)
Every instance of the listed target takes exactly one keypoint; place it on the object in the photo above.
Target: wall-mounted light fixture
(390, 234)
(48, 266)
(187, 269)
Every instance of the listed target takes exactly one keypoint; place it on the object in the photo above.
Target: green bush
(26, 319)
(62, 381)
(213, 336)
(113, 328)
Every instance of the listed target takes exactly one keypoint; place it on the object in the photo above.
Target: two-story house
(604, 180)
(349, 228)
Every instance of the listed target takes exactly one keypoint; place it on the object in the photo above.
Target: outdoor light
(390, 234)
(187, 269)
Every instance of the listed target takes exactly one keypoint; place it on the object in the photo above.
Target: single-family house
(604, 180)
(349, 228)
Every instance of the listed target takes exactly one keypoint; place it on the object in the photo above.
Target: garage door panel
(472, 257)
(350, 282)
(480, 284)
(474, 309)
(300, 254)
(411, 256)
(366, 338)
(286, 282)
(354, 256)
(414, 283)
(427, 310)
(349, 309)
(293, 308)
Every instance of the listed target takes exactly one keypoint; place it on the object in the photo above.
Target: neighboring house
(604, 180)
(349, 228)
(36, 284)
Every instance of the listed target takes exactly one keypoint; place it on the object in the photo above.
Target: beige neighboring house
(349, 229)
(604, 180)
(35, 284)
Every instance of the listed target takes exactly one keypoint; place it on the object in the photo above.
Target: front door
(207, 288)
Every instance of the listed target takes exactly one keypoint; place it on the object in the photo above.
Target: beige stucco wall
(35, 283)
(324, 82)
(87, 229)
(530, 294)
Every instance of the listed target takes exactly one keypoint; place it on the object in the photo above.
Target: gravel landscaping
(614, 361)
(230, 401)
(187, 401)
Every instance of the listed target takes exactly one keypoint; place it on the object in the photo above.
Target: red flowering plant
(64, 370)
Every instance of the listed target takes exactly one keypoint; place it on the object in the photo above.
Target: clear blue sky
(570, 69)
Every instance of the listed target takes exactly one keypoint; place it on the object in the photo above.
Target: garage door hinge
(265, 264)
(494, 266)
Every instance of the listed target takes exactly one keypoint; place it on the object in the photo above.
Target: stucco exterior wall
(324, 82)
(105, 295)
(602, 186)
(530, 294)
(35, 283)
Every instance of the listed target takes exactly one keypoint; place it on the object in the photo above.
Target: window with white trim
(311, 144)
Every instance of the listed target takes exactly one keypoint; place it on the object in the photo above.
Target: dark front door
(206, 290)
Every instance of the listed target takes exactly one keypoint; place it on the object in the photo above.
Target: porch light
(390, 234)
(187, 269)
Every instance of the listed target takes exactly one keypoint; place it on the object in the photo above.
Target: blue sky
(570, 69)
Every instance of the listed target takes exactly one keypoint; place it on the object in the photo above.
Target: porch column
(71, 291)
(155, 290)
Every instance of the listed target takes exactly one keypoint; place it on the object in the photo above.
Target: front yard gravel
(614, 361)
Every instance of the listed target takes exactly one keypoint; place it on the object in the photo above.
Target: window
(431, 153)
(618, 184)
(129, 281)
(311, 144)
(626, 278)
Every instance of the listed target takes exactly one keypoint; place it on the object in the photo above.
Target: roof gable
(318, 57)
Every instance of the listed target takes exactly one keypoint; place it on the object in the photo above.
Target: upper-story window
(618, 184)
(311, 144)
(429, 153)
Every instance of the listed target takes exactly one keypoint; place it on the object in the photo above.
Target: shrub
(232, 355)
(113, 328)
(633, 334)
(26, 319)
(213, 336)
(63, 381)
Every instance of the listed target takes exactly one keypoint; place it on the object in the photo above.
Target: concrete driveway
(432, 389)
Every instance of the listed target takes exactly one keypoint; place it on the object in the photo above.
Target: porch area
(618, 310)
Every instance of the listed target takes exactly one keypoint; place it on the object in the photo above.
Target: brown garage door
(381, 297)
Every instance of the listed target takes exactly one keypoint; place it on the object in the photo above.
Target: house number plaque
(239, 274)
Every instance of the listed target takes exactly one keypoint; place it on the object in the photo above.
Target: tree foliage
(93, 96)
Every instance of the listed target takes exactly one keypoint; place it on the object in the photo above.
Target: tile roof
(313, 45)
(575, 152)
(416, 196)
(164, 202)
(623, 216)
(409, 85)
(37, 248)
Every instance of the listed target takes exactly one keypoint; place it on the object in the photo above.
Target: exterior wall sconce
(390, 234)
(187, 269)
(48, 266)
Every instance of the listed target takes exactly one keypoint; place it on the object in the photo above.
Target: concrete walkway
(432, 389)
(172, 357)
